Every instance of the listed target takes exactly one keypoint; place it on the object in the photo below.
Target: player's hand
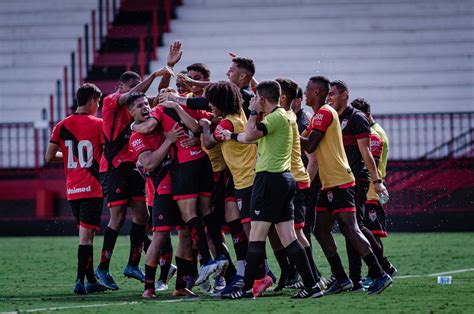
(186, 79)
(174, 54)
(204, 122)
(225, 134)
(176, 132)
(233, 55)
(190, 141)
(169, 104)
(380, 189)
(255, 104)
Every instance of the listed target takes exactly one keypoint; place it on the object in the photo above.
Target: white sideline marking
(180, 300)
(457, 271)
(88, 306)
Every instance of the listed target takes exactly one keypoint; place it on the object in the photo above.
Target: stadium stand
(405, 57)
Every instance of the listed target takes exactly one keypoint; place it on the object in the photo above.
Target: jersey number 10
(84, 147)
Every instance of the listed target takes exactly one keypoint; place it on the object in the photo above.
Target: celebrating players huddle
(215, 157)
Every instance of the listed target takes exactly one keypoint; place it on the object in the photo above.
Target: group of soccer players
(233, 156)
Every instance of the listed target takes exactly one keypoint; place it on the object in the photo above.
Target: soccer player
(273, 189)
(152, 151)
(77, 141)
(225, 100)
(336, 199)
(192, 180)
(123, 182)
(356, 136)
(374, 217)
(289, 91)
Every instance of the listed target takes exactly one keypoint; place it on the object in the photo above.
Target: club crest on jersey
(257, 212)
(330, 196)
(344, 123)
(372, 215)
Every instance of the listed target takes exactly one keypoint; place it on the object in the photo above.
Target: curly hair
(225, 96)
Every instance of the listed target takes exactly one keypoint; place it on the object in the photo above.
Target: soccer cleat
(304, 293)
(184, 292)
(134, 272)
(237, 293)
(95, 287)
(293, 281)
(282, 281)
(236, 283)
(322, 283)
(205, 271)
(79, 288)
(272, 275)
(260, 285)
(171, 272)
(380, 284)
(222, 264)
(219, 283)
(296, 285)
(330, 281)
(339, 286)
(357, 287)
(367, 282)
(161, 286)
(392, 271)
(148, 294)
(106, 279)
(206, 286)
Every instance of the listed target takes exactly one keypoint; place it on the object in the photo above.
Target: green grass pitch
(37, 275)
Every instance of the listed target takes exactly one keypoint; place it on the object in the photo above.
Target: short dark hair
(129, 75)
(270, 90)
(361, 104)
(226, 96)
(131, 99)
(289, 88)
(245, 63)
(201, 68)
(86, 92)
(340, 85)
(299, 94)
(322, 81)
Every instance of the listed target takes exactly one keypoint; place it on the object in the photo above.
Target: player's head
(88, 96)
(181, 86)
(128, 80)
(268, 93)
(241, 71)
(224, 98)
(362, 105)
(338, 95)
(297, 102)
(138, 106)
(198, 72)
(316, 90)
(289, 88)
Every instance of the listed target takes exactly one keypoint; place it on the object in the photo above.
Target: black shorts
(361, 189)
(104, 182)
(244, 199)
(125, 183)
(300, 202)
(309, 219)
(374, 219)
(336, 200)
(219, 194)
(272, 197)
(166, 214)
(192, 179)
(87, 212)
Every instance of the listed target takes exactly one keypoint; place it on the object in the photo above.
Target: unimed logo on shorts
(79, 190)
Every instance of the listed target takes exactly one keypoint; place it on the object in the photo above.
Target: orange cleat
(260, 285)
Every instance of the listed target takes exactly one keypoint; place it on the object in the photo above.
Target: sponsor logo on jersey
(79, 190)
(344, 123)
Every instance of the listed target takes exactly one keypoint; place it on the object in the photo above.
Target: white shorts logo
(257, 212)
(330, 196)
(239, 204)
(372, 215)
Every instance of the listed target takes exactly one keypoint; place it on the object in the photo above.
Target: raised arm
(188, 121)
(174, 55)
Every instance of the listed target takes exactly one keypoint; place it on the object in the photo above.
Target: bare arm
(188, 121)
(312, 167)
(174, 55)
(251, 133)
(208, 138)
(152, 159)
(364, 148)
(53, 155)
(145, 127)
(311, 142)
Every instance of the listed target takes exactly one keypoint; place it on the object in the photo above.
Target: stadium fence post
(51, 111)
(73, 79)
(79, 59)
(58, 98)
(86, 46)
(93, 35)
(154, 31)
(66, 100)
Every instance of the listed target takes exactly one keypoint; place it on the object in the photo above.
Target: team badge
(330, 196)
(257, 212)
(239, 204)
(160, 217)
(344, 123)
(372, 215)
